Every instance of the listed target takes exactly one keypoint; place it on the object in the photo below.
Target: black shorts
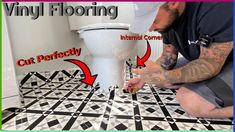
(218, 90)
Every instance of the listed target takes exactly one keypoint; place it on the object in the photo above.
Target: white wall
(41, 37)
(156, 47)
(76, 23)
(125, 14)
(10, 90)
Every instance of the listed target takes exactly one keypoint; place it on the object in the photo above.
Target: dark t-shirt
(199, 19)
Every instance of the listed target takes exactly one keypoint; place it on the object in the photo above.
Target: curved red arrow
(89, 79)
(141, 61)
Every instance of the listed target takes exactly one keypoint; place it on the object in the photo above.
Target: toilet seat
(104, 26)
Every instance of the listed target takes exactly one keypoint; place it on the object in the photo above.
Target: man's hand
(168, 60)
(137, 83)
(133, 85)
(151, 74)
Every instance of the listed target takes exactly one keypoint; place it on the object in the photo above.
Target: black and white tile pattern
(59, 101)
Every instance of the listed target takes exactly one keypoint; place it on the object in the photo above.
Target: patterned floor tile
(26, 91)
(95, 107)
(53, 122)
(79, 95)
(191, 126)
(122, 97)
(68, 106)
(97, 96)
(33, 81)
(178, 112)
(163, 91)
(57, 94)
(152, 110)
(21, 121)
(67, 86)
(52, 102)
(146, 98)
(28, 101)
(168, 99)
(221, 127)
(122, 109)
(75, 80)
(61, 77)
(121, 124)
(50, 85)
(155, 125)
(59, 101)
(40, 105)
(87, 123)
(145, 89)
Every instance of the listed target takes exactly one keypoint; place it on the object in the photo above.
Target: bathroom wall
(125, 14)
(156, 47)
(42, 36)
(10, 91)
(83, 20)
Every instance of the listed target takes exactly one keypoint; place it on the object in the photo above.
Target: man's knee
(189, 102)
(181, 94)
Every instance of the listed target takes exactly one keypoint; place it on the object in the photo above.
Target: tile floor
(59, 101)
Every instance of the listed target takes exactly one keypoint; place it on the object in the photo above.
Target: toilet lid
(102, 26)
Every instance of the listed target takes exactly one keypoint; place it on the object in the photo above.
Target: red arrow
(89, 79)
(141, 61)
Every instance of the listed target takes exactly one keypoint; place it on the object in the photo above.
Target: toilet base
(110, 72)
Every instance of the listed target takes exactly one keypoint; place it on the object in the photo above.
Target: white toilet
(109, 52)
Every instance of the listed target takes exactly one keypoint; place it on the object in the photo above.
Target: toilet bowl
(108, 51)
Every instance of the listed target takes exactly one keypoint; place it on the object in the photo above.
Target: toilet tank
(125, 14)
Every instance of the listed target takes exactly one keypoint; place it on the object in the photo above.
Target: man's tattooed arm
(169, 57)
(208, 65)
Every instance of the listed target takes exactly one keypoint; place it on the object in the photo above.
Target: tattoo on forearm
(169, 57)
(152, 77)
(208, 65)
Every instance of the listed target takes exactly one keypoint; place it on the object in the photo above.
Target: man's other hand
(153, 73)
(133, 85)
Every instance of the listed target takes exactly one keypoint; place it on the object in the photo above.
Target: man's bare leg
(197, 106)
